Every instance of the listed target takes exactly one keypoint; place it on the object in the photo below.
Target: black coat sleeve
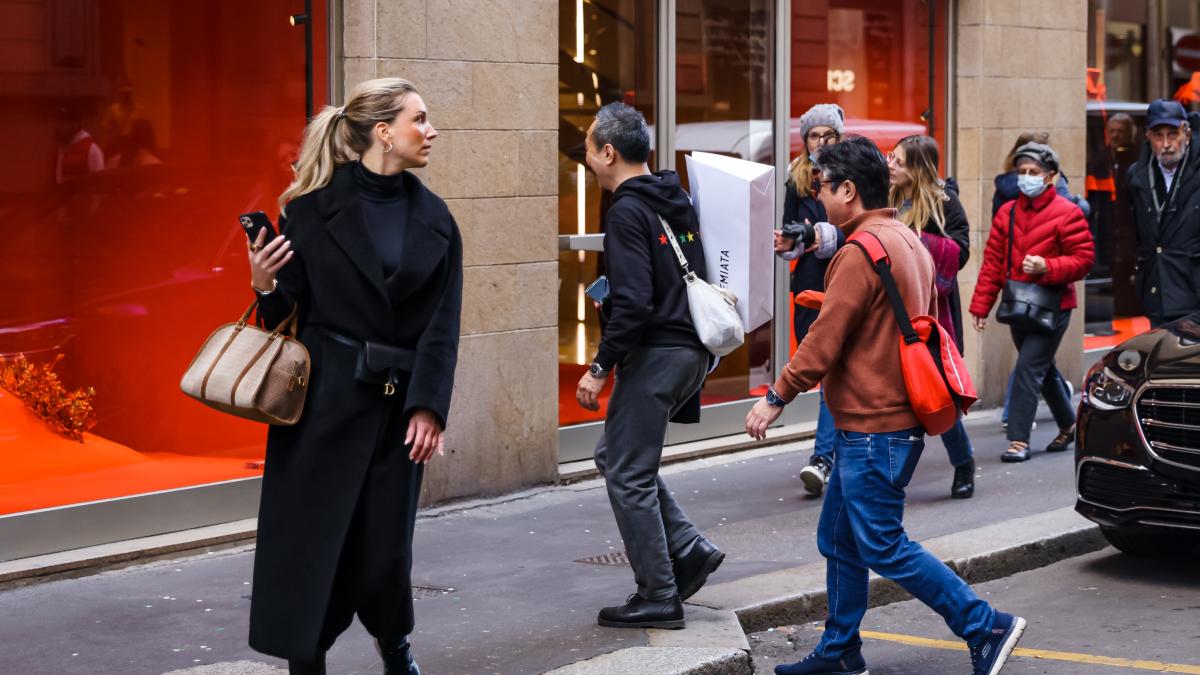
(437, 350)
(292, 284)
(958, 229)
(791, 204)
(630, 300)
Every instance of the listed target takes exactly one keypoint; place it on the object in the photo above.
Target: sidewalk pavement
(513, 585)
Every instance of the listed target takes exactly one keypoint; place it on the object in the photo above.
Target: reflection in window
(725, 101)
(138, 131)
(607, 52)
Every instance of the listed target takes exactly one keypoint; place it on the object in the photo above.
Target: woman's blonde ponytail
(340, 135)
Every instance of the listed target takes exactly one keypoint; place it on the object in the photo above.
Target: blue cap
(1165, 111)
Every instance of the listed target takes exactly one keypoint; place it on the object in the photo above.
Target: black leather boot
(397, 658)
(638, 612)
(692, 570)
(964, 481)
(307, 667)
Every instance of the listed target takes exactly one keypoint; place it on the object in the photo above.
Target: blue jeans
(862, 529)
(958, 444)
(826, 433)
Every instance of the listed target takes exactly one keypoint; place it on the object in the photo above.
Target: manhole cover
(615, 558)
(425, 592)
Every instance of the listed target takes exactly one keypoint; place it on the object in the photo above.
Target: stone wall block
(445, 86)
(515, 96)
(474, 164)
(500, 298)
(358, 34)
(502, 231)
(403, 29)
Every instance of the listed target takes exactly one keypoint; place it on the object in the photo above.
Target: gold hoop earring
(387, 148)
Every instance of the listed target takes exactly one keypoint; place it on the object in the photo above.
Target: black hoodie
(647, 302)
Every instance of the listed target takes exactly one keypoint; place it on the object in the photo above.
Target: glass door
(607, 52)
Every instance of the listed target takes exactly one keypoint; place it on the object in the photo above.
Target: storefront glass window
(871, 57)
(136, 133)
(1125, 73)
(725, 101)
(607, 52)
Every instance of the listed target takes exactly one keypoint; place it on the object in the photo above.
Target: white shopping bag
(735, 200)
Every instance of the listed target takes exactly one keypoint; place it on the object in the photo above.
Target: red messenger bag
(939, 386)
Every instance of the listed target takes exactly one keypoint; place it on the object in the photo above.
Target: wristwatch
(274, 285)
(597, 372)
(774, 399)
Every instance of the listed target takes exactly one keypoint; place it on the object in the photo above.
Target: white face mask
(1031, 186)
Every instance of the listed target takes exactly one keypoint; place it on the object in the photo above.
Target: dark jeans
(652, 384)
(1036, 373)
(862, 529)
(826, 432)
(958, 444)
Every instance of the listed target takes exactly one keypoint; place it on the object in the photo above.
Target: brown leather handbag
(249, 372)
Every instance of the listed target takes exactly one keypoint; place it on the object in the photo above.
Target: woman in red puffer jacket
(1052, 247)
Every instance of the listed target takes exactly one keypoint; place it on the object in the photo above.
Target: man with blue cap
(1164, 191)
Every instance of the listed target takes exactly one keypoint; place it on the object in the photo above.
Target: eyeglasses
(817, 181)
(825, 138)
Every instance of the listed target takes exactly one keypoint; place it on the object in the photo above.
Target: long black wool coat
(339, 493)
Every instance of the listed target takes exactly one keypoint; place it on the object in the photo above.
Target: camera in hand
(804, 233)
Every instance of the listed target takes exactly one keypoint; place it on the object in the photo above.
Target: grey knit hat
(823, 115)
(1039, 152)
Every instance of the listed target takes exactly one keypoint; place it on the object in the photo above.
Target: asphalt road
(1090, 615)
(520, 602)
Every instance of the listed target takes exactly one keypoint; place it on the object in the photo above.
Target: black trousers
(1035, 373)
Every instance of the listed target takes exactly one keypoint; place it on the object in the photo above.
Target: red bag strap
(877, 255)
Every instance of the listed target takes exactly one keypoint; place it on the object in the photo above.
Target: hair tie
(341, 112)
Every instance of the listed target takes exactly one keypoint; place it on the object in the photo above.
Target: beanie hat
(822, 115)
(1039, 152)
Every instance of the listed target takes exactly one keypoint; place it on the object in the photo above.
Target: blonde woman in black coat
(372, 260)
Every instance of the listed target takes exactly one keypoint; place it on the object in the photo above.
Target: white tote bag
(713, 309)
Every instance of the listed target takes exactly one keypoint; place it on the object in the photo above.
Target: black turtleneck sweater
(385, 211)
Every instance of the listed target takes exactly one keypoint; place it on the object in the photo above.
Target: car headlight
(1105, 390)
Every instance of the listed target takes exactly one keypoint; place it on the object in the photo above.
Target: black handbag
(1026, 306)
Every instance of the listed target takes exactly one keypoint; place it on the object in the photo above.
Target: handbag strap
(877, 255)
(286, 327)
(675, 245)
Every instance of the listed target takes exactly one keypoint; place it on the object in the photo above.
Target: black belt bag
(378, 364)
(1027, 306)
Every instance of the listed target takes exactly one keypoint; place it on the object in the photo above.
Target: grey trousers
(652, 384)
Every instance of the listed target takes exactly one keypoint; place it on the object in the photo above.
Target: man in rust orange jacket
(853, 348)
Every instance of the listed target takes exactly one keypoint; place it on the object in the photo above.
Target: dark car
(1137, 459)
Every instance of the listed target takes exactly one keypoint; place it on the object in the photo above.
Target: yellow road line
(1039, 654)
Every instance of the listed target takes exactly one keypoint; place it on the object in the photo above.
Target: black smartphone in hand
(255, 222)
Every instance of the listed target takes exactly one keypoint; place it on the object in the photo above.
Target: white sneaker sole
(814, 484)
(1009, 645)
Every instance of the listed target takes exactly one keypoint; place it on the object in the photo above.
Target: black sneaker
(692, 570)
(815, 475)
(1063, 440)
(989, 656)
(850, 664)
(637, 612)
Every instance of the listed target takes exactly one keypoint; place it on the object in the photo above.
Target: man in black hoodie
(660, 362)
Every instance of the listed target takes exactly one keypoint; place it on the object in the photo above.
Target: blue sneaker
(850, 664)
(989, 656)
